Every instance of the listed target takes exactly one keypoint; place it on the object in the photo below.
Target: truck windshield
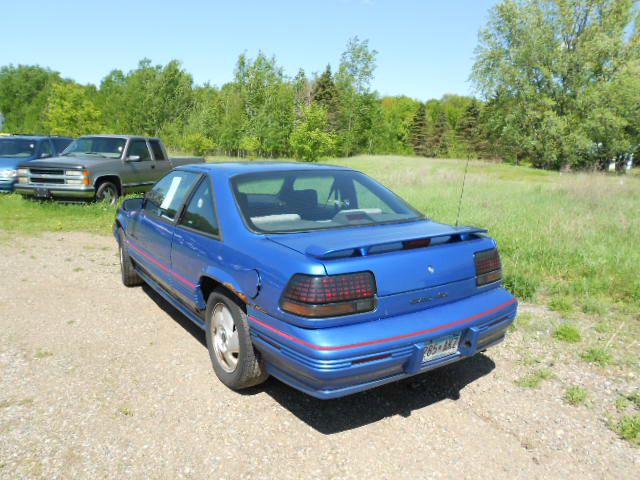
(96, 146)
(300, 201)
(17, 148)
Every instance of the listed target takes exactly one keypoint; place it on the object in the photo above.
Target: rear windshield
(299, 201)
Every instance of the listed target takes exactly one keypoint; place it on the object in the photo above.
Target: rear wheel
(130, 277)
(107, 192)
(233, 357)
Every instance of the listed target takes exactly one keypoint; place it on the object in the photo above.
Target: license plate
(441, 347)
(42, 193)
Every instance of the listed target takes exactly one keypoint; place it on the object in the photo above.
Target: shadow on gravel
(398, 398)
(333, 416)
(195, 331)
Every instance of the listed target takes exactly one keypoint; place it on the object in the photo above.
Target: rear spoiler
(455, 234)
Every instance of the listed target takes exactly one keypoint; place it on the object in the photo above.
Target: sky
(425, 47)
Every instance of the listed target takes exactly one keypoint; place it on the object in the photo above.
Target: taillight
(488, 267)
(418, 243)
(330, 295)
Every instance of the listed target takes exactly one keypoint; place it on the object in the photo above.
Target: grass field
(569, 241)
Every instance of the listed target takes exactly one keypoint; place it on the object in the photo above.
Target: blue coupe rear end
(340, 286)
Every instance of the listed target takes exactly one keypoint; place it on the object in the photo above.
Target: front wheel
(233, 357)
(107, 192)
(130, 277)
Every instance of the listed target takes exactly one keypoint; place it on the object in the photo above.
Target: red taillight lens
(488, 267)
(418, 243)
(330, 295)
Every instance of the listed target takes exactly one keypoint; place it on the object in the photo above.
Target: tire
(108, 193)
(236, 363)
(130, 277)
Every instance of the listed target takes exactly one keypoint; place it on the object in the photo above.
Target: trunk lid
(382, 249)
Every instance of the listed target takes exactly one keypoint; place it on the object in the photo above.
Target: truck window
(61, 143)
(158, 153)
(139, 147)
(45, 149)
(167, 196)
(200, 213)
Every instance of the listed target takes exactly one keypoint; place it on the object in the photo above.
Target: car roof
(230, 169)
(123, 137)
(33, 137)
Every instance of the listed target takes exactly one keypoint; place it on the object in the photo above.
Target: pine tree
(437, 142)
(325, 93)
(470, 133)
(419, 131)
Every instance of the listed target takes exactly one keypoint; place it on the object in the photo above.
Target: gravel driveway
(101, 381)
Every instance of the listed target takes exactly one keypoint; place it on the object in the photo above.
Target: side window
(139, 147)
(168, 195)
(200, 214)
(158, 154)
(45, 149)
(61, 144)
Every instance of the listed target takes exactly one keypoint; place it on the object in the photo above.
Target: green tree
(325, 93)
(23, 95)
(269, 101)
(353, 80)
(471, 137)
(438, 130)
(311, 139)
(70, 111)
(419, 131)
(150, 100)
(233, 119)
(548, 68)
(394, 130)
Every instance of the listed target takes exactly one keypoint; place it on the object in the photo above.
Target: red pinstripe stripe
(163, 267)
(384, 340)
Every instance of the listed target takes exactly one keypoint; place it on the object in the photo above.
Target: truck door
(151, 239)
(138, 167)
(162, 163)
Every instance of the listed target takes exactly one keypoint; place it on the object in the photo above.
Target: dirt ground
(101, 381)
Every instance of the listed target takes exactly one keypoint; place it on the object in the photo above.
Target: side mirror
(131, 204)
(132, 158)
(45, 155)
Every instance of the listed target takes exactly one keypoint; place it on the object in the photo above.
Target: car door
(152, 235)
(138, 166)
(196, 242)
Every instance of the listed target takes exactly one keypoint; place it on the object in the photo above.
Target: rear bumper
(70, 192)
(338, 361)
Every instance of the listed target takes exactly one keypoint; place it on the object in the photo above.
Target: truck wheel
(234, 359)
(130, 277)
(107, 192)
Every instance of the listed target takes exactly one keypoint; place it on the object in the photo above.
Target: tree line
(557, 81)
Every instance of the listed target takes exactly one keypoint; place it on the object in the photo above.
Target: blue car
(317, 275)
(18, 149)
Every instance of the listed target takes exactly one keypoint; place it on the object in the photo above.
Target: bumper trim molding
(382, 340)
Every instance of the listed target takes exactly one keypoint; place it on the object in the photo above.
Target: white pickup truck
(99, 167)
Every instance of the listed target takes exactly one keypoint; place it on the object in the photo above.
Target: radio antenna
(464, 180)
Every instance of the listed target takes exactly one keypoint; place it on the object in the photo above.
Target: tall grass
(571, 236)
(571, 241)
